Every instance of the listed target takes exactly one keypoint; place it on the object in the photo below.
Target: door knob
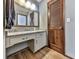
(60, 27)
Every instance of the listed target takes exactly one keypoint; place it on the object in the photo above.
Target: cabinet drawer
(7, 42)
(12, 41)
(20, 39)
(40, 35)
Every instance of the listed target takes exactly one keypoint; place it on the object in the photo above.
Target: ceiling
(36, 1)
(33, 1)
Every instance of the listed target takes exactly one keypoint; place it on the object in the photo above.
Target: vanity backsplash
(20, 29)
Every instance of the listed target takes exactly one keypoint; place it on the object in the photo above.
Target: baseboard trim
(69, 57)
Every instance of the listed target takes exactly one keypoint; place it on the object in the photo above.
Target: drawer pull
(26, 38)
(23, 38)
(36, 41)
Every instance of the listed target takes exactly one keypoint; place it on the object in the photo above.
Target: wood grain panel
(56, 25)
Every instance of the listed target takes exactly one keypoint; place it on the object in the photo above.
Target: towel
(32, 19)
(10, 13)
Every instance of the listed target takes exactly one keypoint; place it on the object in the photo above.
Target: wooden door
(56, 25)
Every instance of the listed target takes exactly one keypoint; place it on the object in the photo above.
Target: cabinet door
(12, 40)
(40, 41)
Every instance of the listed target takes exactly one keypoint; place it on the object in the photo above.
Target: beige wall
(43, 15)
(70, 28)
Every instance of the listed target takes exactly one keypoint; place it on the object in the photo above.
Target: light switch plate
(68, 19)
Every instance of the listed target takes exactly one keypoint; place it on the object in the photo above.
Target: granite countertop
(24, 32)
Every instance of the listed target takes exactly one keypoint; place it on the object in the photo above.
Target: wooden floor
(45, 53)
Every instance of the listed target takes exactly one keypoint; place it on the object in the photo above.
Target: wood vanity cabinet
(56, 25)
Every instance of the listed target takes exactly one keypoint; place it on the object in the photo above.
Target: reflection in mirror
(22, 19)
(26, 17)
(33, 19)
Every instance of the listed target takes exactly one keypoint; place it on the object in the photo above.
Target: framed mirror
(26, 17)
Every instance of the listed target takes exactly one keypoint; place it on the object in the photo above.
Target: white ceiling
(35, 1)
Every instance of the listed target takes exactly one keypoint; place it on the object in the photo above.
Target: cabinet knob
(23, 38)
(26, 37)
(36, 41)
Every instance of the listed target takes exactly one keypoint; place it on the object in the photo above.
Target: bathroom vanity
(35, 39)
(25, 31)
